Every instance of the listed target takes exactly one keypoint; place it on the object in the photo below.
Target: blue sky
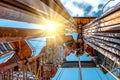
(86, 7)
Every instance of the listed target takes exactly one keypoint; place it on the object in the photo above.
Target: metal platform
(75, 64)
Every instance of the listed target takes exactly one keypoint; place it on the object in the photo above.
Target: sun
(51, 26)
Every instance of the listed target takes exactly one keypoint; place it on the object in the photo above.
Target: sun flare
(51, 26)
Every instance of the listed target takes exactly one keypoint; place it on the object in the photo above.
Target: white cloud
(75, 9)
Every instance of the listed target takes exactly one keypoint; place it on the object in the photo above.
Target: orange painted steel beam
(81, 21)
(15, 34)
(22, 49)
(22, 52)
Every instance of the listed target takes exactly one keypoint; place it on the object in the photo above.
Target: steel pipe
(115, 35)
(116, 46)
(108, 39)
(106, 47)
(108, 54)
(115, 40)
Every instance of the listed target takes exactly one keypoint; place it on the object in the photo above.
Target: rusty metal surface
(10, 61)
(20, 48)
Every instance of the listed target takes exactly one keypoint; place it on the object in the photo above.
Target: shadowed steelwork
(75, 64)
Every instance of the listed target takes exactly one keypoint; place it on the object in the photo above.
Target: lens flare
(51, 26)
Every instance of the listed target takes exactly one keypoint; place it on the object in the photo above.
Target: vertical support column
(8, 74)
(23, 75)
(118, 71)
(79, 43)
(4, 75)
(80, 68)
(1, 75)
(17, 76)
(12, 74)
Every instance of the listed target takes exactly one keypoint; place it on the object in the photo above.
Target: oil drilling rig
(98, 37)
